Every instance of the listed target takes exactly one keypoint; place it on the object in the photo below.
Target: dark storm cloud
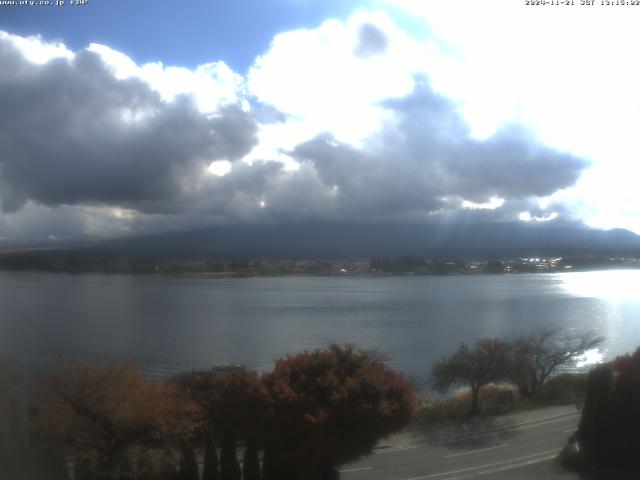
(429, 158)
(509, 164)
(371, 41)
(71, 133)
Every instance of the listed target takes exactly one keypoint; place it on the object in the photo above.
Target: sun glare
(610, 285)
(590, 357)
(492, 204)
(219, 168)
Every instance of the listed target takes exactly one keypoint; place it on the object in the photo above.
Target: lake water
(169, 324)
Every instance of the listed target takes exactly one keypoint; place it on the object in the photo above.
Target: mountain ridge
(337, 240)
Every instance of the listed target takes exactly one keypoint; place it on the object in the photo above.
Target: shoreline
(229, 275)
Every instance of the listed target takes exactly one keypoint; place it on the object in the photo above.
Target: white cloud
(35, 49)
(492, 204)
(212, 84)
(319, 77)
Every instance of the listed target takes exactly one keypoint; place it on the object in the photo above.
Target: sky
(122, 118)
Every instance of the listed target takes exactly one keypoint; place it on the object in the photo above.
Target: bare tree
(538, 354)
(475, 366)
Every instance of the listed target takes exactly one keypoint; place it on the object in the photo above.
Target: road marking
(521, 426)
(504, 469)
(468, 469)
(401, 449)
(570, 430)
(360, 469)
(469, 452)
(543, 423)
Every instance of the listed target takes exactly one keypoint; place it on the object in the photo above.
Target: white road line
(504, 469)
(360, 469)
(469, 452)
(570, 430)
(402, 449)
(478, 467)
(541, 423)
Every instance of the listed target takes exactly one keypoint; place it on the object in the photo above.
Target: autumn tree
(107, 411)
(537, 355)
(475, 366)
(328, 407)
(231, 404)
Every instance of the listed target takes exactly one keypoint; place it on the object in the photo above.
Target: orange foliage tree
(108, 410)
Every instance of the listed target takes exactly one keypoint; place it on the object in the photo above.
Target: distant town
(67, 262)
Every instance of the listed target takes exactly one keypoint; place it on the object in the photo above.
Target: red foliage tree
(328, 407)
(628, 366)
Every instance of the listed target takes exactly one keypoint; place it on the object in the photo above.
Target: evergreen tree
(250, 462)
(609, 430)
(210, 470)
(229, 466)
(84, 468)
(168, 470)
(188, 463)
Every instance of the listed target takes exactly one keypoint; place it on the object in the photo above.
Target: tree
(609, 429)
(107, 411)
(537, 355)
(484, 363)
(251, 462)
(328, 407)
(188, 462)
(229, 466)
(231, 406)
(595, 430)
(210, 467)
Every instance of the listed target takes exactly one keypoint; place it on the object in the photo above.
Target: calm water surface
(169, 324)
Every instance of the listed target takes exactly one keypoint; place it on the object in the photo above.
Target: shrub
(564, 389)
(456, 407)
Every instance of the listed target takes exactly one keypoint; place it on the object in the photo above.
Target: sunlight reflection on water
(611, 285)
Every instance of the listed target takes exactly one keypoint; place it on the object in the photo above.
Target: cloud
(346, 67)
(335, 123)
(428, 162)
(372, 41)
(72, 133)
(211, 85)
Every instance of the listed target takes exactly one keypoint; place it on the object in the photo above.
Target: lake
(168, 324)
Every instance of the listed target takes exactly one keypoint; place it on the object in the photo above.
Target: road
(517, 451)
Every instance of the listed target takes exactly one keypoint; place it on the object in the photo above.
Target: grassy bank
(564, 389)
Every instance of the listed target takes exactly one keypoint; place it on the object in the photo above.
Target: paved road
(519, 450)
